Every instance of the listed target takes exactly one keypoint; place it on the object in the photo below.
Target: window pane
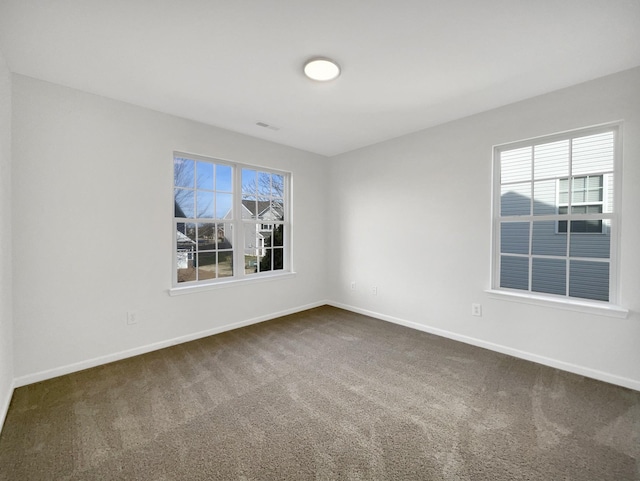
(594, 226)
(578, 187)
(249, 184)
(207, 236)
(608, 201)
(252, 238)
(278, 235)
(514, 272)
(587, 189)
(264, 209)
(184, 203)
(225, 264)
(183, 259)
(593, 153)
(204, 175)
(206, 266)
(277, 185)
(183, 172)
(515, 165)
(587, 209)
(563, 189)
(589, 280)
(223, 178)
(551, 160)
(549, 276)
(185, 266)
(267, 232)
(592, 243)
(278, 209)
(185, 251)
(250, 209)
(224, 204)
(225, 235)
(546, 241)
(264, 183)
(594, 209)
(278, 259)
(544, 200)
(186, 234)
(515, 199)
(204, 204)
(250, 261)
(586, 226)
(594, 188)
(265, 261)
(514, 238)
(562, 227)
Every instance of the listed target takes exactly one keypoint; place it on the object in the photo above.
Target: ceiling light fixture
(321, 69)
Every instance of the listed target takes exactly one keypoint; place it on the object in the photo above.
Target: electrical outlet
(353, 285)
(132, 317)
(476, 310)
(374, 290)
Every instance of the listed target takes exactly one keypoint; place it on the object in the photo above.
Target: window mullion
(238, 227)
(569, 211)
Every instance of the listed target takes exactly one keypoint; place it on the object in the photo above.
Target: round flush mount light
(321, 69)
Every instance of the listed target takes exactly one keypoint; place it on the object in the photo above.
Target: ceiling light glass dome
(321, 69)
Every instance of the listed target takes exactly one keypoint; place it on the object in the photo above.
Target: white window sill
(191, 289)
(597, 308)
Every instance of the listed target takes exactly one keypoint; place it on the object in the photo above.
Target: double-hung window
(231, 221)
(555, 220)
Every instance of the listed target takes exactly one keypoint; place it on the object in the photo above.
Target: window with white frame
(231, 221)
(555, 222)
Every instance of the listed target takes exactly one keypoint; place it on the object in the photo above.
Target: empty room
(296, 240)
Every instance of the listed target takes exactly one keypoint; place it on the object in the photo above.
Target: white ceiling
(406, 64)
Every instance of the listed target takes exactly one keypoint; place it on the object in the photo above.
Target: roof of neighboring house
(258, 208)
(178, 210)
(183, 238)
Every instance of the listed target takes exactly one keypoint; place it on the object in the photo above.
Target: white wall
(412, 217)
(6, 323)
(92, 231)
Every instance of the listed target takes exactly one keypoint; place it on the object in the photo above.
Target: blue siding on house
(514, 272)
(549, 276)
(589, 280)
(514, 238)
(546, 241)
(516, 199)
(591, 245)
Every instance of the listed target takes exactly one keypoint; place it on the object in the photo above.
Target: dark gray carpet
(324, 394)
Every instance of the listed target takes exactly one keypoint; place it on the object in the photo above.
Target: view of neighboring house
(257, 236)
(185, 249)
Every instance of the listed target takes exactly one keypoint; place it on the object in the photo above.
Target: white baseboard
(98, 361)
(562, 365)
(4, 405)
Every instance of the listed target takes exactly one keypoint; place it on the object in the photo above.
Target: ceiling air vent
(267, 126)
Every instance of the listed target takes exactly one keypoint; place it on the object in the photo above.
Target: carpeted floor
(324, 394)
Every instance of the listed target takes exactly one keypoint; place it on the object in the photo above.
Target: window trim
(193, 288)
(574, 304)
(611, 307)
(239, 276)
